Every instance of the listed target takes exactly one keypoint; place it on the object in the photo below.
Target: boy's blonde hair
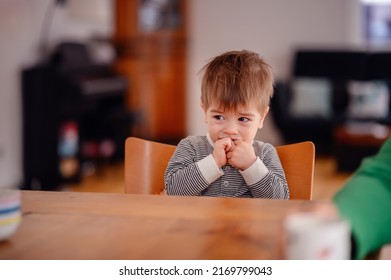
(235, 79)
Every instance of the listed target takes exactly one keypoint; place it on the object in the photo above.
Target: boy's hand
(221, 147)
(241, 155)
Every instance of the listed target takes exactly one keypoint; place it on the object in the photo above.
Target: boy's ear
(263, 116)
(266, 112)
(202, 106)
(203, 109)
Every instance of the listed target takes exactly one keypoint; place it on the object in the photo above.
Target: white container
(10, 212)
(310, 236)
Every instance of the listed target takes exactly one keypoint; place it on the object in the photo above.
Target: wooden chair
(146, 162)
(298, 161)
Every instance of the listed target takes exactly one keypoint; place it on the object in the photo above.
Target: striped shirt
(192, 170)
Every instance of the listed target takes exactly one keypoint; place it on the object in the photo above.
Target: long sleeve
(365, 201)
(191, 168)
(193, 171)
(268, 179)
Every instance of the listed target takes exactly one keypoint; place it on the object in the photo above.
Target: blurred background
(78, 77)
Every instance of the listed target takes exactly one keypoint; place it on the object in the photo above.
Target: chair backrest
(298, 161)
(146, 162)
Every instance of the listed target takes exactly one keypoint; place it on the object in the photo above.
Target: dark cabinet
(73, 112)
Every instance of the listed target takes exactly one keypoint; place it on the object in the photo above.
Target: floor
(109, 178)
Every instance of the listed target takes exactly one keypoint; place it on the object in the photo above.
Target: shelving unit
(151, 41)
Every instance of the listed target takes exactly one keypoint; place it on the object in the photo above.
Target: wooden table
(70, 225)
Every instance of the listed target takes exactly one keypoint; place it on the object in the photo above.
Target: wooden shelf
(154, 61)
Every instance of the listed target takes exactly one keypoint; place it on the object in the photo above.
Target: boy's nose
(230, 129)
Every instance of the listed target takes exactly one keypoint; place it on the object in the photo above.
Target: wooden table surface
(71, 225)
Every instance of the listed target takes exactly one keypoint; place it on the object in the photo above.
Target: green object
(365, 200)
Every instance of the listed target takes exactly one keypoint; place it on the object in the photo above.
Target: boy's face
(242, 123)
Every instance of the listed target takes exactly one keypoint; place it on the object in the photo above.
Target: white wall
(271, 27)
(20, 33)
(10, 113)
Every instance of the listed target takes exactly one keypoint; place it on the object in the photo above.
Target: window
(377, 22)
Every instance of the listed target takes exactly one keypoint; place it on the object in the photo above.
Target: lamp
(46, 25)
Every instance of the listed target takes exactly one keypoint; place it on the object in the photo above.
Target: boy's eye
(218, 117)
(244, 119)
